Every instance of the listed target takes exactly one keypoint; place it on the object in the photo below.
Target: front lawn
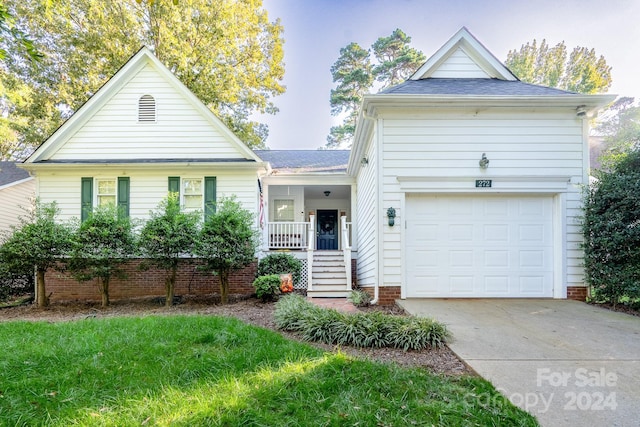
(206, 370)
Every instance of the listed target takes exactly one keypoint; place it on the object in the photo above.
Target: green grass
(216, 371)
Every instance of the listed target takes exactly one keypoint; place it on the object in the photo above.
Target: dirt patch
(252, 311)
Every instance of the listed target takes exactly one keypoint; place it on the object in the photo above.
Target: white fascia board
(309, 179)
(362, 136)
(590, 102)
(142, 165)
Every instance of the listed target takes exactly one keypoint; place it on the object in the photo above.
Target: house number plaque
(483, 183)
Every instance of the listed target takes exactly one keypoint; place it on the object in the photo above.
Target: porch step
(329, 277)
(328, 294)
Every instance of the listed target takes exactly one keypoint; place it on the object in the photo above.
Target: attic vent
(147, 109)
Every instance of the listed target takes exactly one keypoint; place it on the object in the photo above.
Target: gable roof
(301, 161)
(10, 174)
(465, 46)
(126, 73)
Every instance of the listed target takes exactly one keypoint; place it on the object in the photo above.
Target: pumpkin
(286, 283)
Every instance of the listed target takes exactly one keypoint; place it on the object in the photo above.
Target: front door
(327, 230)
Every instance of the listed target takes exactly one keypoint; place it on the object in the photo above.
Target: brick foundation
(578, 293)
(141, 283)
(387, 295)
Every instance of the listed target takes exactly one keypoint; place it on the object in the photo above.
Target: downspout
(376, 286)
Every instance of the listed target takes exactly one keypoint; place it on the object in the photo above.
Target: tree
(167, 237)
(582, 72)
(620, 126)
(396, 59)
(227, 53)
(611, 230)
(22, 42)
(102, 243)
(354, 74)
(40, 243)
(227, 242)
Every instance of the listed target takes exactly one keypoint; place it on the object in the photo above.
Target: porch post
(346, 250)
(311, 241)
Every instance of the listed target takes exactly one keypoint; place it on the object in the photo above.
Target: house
(17, 194)
(462, 181)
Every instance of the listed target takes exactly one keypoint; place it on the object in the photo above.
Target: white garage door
(488, 246)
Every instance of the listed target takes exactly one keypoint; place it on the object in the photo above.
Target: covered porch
(312, 222)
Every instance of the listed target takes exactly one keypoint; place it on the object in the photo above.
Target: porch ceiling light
(364, 161)
(326, 193)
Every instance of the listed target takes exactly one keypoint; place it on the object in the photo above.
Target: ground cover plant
(218, 371)
(373, 329)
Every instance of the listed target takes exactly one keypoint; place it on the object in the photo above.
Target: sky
(315, 30)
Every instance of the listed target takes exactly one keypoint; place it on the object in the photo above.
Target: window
(283, 210)
(192, 193)
(109, 191)
(146, 109)
(106, 192)
(197, 193)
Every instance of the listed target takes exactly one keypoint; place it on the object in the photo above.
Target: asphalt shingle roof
(306, 160)
(10, 173)
(483, 87)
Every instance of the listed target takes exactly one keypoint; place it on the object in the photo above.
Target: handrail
(311, 240)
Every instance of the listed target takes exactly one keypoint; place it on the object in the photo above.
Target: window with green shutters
(196, 194)
(109, 191)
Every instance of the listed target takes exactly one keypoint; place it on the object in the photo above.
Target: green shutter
(174, 185)
(86, 198)
(209, 195)
(123, 195)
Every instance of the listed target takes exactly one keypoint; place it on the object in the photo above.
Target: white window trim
(183, 193)
(96, 195)
(275, 209)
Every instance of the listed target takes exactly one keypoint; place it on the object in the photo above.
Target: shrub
(267, 287)
(227, 242)
(289, 310)
(375, 329)
(611, 230)
(280, 263)
(359, 298)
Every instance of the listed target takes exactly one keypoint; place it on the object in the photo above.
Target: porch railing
(287, 235)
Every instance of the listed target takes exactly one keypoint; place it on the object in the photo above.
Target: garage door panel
(499, 259)
(496, 285)
(461, 259)
(479, 246)
(461, 285)
(532, 285)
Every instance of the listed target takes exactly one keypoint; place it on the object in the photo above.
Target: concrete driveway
(566, 362)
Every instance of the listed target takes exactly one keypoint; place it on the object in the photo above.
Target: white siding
(148, 188)
(15, 201)
(179, 132)
(449, 144)
(459, 66)
(367, 218)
